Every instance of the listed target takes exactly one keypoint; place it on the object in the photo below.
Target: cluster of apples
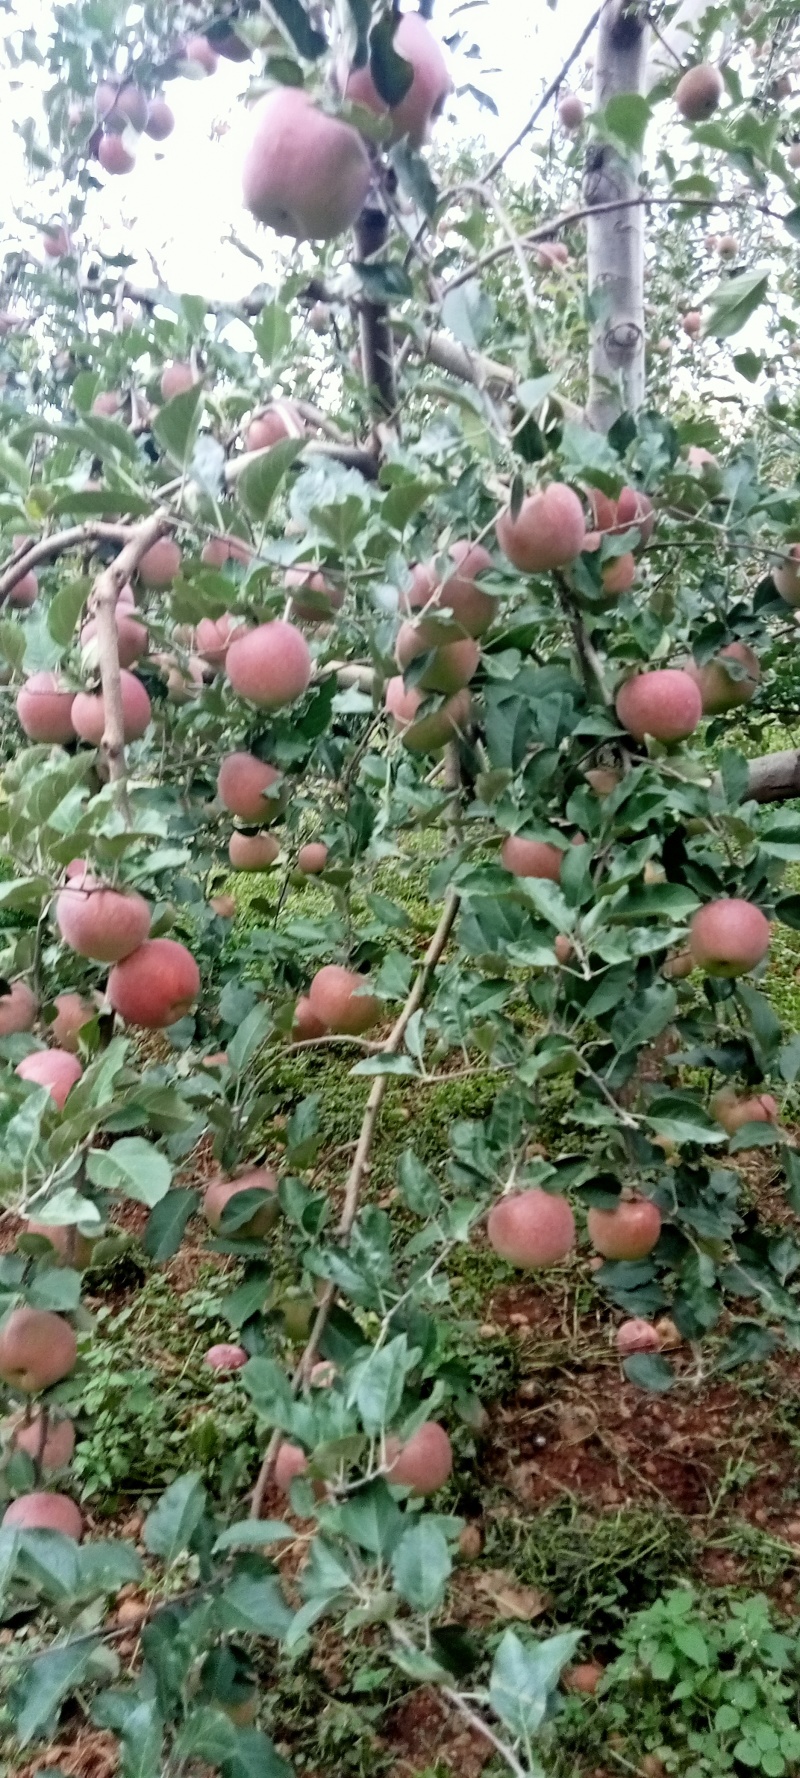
(306, 173)
(123, 110)
(446, 616)
(38, 1348)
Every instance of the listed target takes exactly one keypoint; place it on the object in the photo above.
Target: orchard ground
(585, 1499)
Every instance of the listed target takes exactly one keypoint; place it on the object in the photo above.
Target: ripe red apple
(312, 858)
(218, 550)
(727, 246)
(73, 1011)
(793, 157)
(55, 241)
(316, 598)
(44, 709)
(280, 420)
(698, 93)
(119, 105)
(337, 999)
(425, 734)
(571, 112)
(629, 1232)
(552, 255)
(786, 575)
(270, 666)
(548, 531)
(563, 947)
(305, 174)
(199, 50)
(50, 1442)
(214, 636)
(89, 711)
(305, 1024)
(220, 1192)
(603, 779)
(728, 937)
(156, 985)
(424, 102)
(18, 1009)
(636, 508)
(159, 566)
(290, 1462)
(584, 1678)
(160, 120)
(37, 1348)
(44, 1511)
(636, 1336)
(225, 1357)
(132, 637)
(531, 1228)
(665, 704)
(55, 1069)
(243, 783)
(692, 322)
(68, 1244)
(224, 906)
(473, 610)
(718, 689)
(619, 574)
(24, 593)
(177, 378)
(424, 1463)
(113, 156)
(252, 851)
(105, 924)
(451, 666)
(731, 1112)
(531, 858)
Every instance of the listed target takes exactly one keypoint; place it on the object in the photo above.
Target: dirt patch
(424, 1729)
(90, 1753)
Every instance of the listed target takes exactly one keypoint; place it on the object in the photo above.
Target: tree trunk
(615, 240)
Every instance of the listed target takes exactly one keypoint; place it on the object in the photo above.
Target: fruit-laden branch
(47, 549)
(471, 367)
(356, 1175)
(106, 591)
(615, 242)
(377, 347)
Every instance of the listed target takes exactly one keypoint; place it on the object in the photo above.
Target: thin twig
(104, 598)
(357, 1170)
(548, 94)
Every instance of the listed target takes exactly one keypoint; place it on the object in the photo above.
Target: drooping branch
(355, 1177)
(104, 599)
(615, 242)
(47, 549)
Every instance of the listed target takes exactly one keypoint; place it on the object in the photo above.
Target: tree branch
(355, 1176)
(46, 549)
(104, 598)
(774, 777)
(548, 94)
(377, 350)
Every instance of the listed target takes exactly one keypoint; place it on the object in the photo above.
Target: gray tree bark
(615, 240)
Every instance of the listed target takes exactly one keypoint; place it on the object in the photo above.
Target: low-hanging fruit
(548, 531)
(698, 93)
(214, 636)
(732, 1112)
(424, 1462)
(628, 1232)
(249, 787)
(305, 1024)
(786, 575)
(104, 924)
(721, 690)
(160, 120)
(636, 1335)
(225, 1357)
(113, 156)
(44, 709)
(221, 1191)
(43, 1511)
(73, 1011)
(337, 997)
(18, 1009)
(290, 1462)
(415, 113)
(728, 937)
(156, 985)
(665, 704)
(48, 1442)
(37, 1349)
(531, 1228)
(270, 666)
(451, 664)
(531, 858)
(305, 174)
(314, 597)
(428, 732)
(160, 563)
(57, 1070)
(252, 851)
(89, 711)
(177, 378)
(69, 1246)
(312, 858)
(571, 112)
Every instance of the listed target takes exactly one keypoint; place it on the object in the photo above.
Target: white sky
(183, 198)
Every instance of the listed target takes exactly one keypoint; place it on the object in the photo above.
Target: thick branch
(377, 350)
(29, 555)
(615, 244)
(106, 592)
(774, 777)
(355, 1177)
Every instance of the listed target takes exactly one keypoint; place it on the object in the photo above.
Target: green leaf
(648, 1370)
(273, 331)
(421, 1566)
(418, 1187)
(249, 1038)
(468, 313)
(259, 482)
(384, 280)
(131, 1166)
(252, 1601)
(166, 1224)
(523, 1677)
(177, 423)
(692, 1643)
(309, 43)
(252, 1534)
(64, 610)
(748, 364)
(415, 177)
(38, 1693)
(681, 1118)
(734, 301)
(171, 1525)
(626, 117)
(104, 1567)
(372, 1519)
(385, 1065)
(24, 893)
(376, 1383)
(391, 73)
